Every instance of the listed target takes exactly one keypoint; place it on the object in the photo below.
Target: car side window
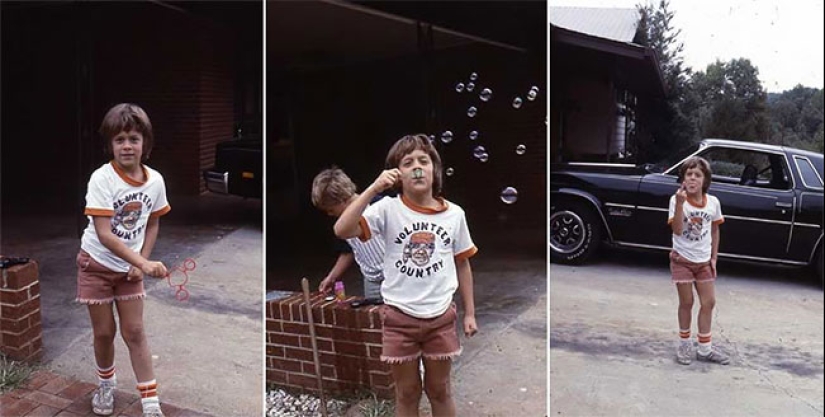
(747, 168)
(810, 178)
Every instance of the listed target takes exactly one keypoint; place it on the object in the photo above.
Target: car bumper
(217, 182)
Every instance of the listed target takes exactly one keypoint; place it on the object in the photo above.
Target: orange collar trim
(442, 206)
(126, 178)
(704, 202)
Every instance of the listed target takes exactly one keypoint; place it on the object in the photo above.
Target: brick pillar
(349, 345)
(21, 333)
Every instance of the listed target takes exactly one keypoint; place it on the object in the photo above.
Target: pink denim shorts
(406, 338)
(97, 284)
(685, 271)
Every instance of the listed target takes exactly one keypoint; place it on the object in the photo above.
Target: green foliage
(12, 373)
(731, 101)
(376, 407)
(726, 100)
(796, 118)
(677, 128)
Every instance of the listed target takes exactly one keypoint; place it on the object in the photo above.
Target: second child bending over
(427, 248)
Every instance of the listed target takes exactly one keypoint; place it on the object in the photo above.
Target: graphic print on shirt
(127, 213)
(420, 248)
(694, 229)
(418, 242)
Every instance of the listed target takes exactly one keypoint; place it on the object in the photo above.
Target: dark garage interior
(342, 89)
(195, 67)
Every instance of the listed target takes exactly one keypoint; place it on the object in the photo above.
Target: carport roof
(638, 63)
(323, 33)
(608, 23)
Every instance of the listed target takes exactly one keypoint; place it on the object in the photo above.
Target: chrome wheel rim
(567, 232)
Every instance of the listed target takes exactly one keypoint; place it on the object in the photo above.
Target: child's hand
(470, 326)
(387, 180)
(326, 285)
(134, 274)
(713, 267)
(681, 195)
(154, 269)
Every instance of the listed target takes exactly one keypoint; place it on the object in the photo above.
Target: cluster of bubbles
(531, 96)
(508, 195)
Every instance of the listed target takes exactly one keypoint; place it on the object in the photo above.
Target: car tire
(575, 233)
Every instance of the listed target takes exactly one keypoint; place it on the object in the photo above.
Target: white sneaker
(103, 401)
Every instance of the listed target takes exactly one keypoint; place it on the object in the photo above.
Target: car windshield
(672, 159)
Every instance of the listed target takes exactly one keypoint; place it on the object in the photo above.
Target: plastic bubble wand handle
(182, 294)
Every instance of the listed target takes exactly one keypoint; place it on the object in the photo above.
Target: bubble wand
(182, 294)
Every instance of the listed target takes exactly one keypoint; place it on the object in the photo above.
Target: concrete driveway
(613, 332)
(208, 351)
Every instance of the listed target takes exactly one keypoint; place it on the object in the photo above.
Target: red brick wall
(181, 70)
(20, 328)
(349, 346)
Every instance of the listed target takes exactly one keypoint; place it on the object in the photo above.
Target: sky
(784, 39)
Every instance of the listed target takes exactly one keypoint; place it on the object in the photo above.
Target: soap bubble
(431, 138)
(484, 157)
(470, 87)
(474, 135)
(517, 102)
(521, 149)
(478, 151)
(473, 76)
(509, 195)
(486, 94)
(459, 87)
(471, 112)
(533, 93)
(447, 136)
(449, 172)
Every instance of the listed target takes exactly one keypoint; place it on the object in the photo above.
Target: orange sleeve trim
(466, 254)
(166, 209)
(99, 212)
(365, 230)
(720, 221)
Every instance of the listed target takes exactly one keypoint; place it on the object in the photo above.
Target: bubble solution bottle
(340, 295)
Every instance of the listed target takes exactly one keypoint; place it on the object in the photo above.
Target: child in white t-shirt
(694, 217)
(427, 248)
(124, 202)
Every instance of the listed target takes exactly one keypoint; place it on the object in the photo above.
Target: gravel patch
(280, 403)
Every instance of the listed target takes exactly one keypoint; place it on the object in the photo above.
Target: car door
(758, 211)
(807, 228)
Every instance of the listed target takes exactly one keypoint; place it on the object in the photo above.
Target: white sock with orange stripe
(704, 343)
(684, 336)
(149, 395)
(106, 375)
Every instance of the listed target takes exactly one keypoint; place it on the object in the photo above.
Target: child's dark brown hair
(124, 117)
(697, 162)
(407, 145)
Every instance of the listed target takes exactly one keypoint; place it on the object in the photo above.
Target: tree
(731, 101)
(796, 118)
(656, 31)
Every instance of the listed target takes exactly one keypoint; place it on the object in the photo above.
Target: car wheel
(575, 233)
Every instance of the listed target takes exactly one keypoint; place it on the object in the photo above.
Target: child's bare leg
(131, 329)
(685, 305)
(707, 299)
(103, 328)
(437, 386)
(407, 388)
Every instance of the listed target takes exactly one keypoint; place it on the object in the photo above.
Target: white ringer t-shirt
(420, 249)
(129, 203)
(694, 244)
